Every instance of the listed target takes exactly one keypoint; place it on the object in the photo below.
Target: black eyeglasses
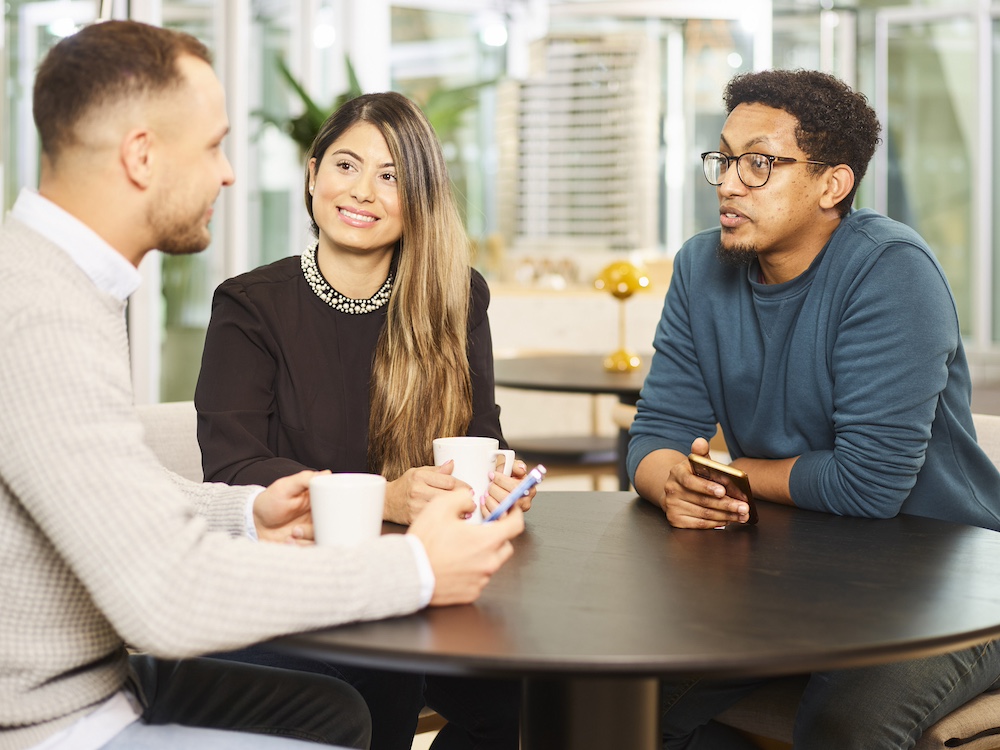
(752, 169)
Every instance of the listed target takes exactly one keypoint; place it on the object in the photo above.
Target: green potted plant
(443, 107)
(303, 128)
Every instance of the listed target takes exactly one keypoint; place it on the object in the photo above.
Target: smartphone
(736, 482)
(534, 476)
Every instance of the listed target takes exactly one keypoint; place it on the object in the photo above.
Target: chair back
(172, 434)
(988, 435)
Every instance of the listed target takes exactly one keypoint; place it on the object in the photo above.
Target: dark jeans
(217, 694)
(481, 714)
(885, 707)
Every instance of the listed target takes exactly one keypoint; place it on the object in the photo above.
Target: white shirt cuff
(424, 569)
(97, 728)
(251, 524)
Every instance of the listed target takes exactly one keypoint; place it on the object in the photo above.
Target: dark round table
(602, 597)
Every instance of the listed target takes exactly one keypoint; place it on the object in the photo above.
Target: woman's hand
(501, 486)
(407, 496)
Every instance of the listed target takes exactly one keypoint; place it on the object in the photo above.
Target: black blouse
(284, 378)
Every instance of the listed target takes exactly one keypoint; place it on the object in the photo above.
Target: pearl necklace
(336, 300)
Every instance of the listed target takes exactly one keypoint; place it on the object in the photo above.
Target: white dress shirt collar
(105, 266)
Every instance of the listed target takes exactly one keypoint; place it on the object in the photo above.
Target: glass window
(994, 248)
(187, 281)
(931, 137)
(32, 28)
(449, 63)
(275, 158)
(715, 51)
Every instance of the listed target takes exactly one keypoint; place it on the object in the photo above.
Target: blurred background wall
(572, 130)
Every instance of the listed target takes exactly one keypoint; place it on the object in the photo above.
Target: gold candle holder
(622, 279)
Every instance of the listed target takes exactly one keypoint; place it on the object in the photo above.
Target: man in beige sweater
(99, 544)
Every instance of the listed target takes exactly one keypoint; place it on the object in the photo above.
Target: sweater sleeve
(123, 543)
(224, 507)
(235, 394)
(895, 341)
(674, 406)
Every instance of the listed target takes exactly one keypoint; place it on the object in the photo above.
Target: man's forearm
(651, 474)
(769, 478)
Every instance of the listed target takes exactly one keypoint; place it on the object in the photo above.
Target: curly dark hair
(836, 124)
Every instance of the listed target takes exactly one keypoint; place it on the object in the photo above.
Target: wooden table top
(601, 585)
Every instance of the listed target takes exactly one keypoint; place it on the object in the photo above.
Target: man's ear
(839, 183)
(137, 157)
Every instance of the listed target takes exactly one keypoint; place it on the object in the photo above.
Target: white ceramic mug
(475, 458)
(346, 508)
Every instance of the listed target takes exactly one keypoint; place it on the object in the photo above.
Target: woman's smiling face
(355, 202)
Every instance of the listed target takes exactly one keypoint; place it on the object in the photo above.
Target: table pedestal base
(590, 714)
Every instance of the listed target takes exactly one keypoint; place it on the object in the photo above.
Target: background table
(571, 373)
(576, 373)
(601, 597)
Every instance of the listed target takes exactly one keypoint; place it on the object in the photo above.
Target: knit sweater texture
(101, 546)
(856, 366)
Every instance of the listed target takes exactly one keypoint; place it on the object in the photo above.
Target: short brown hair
(101, 65)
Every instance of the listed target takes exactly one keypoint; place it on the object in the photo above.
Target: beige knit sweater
(100, 545)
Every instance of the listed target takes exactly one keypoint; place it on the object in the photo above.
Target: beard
(178, 231)
(739, 256)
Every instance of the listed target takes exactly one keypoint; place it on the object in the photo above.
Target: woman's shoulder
(478, 286)
(265, 278)
(479, 298)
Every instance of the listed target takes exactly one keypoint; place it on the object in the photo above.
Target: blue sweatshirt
(856, 366)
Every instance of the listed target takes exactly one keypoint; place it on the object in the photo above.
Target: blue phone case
(535, 476)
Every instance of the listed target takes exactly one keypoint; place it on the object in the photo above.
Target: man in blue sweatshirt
(825, 342)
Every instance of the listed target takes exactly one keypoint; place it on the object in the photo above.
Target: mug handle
(508, 461)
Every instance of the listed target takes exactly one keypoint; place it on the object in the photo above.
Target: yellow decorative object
(622, 279)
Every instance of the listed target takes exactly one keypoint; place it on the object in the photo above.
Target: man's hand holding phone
(702, 494)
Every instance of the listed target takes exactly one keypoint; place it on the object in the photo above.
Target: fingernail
(492, 474)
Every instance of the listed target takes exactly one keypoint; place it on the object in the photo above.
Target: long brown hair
(420, 386)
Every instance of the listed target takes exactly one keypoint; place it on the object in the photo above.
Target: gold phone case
(729, 477)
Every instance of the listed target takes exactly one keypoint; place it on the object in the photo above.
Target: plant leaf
(314, 111)
(444, 107)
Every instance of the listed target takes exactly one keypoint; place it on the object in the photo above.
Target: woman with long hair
(354, 356)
